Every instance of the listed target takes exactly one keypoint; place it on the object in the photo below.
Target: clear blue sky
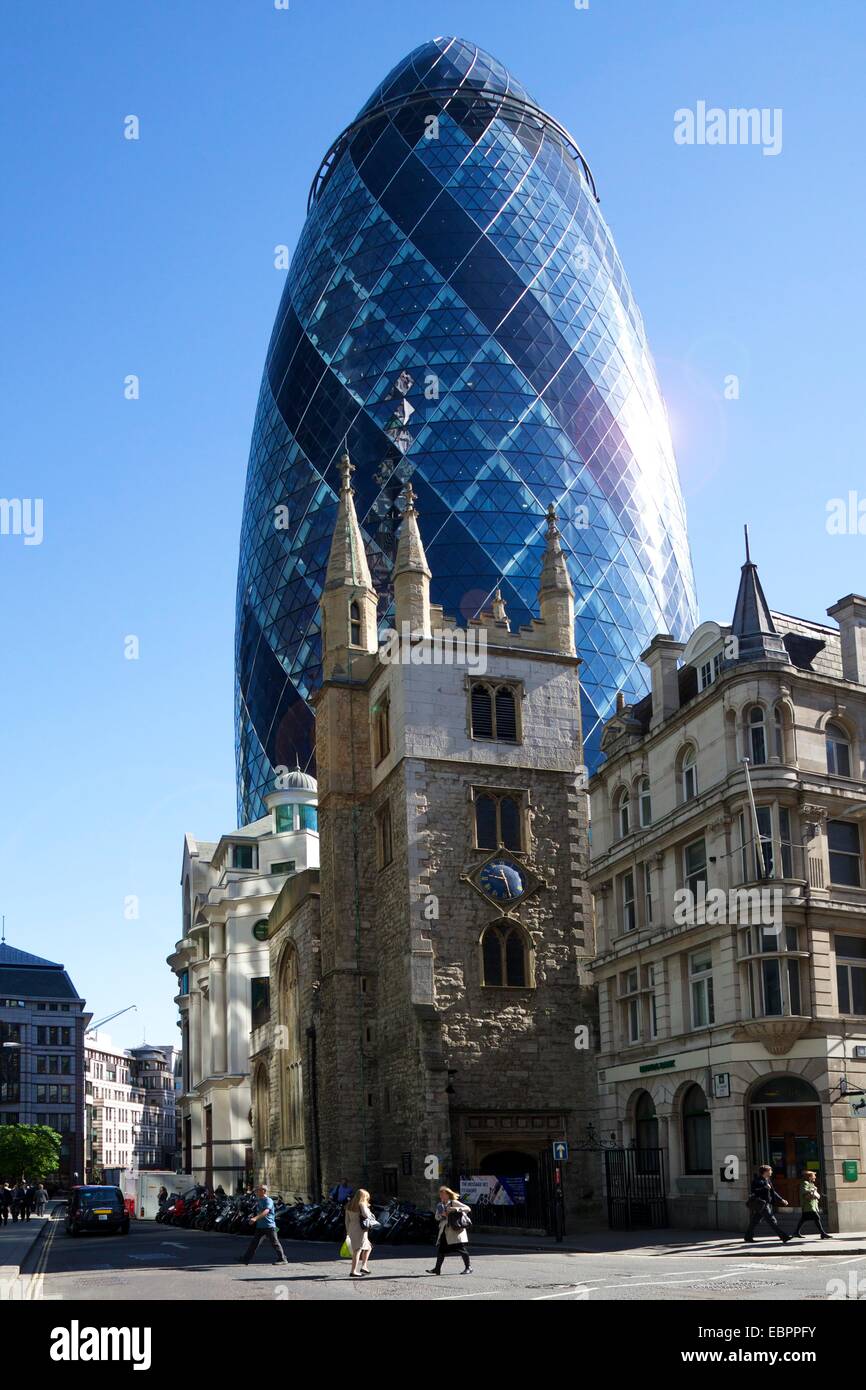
(156, 258)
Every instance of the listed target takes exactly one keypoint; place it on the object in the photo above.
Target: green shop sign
(849, 1169)
(658, 1066)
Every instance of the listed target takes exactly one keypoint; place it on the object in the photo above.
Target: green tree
(29, 1150)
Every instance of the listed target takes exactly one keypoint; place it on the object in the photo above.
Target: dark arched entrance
(785, 1131)
(517, 1197)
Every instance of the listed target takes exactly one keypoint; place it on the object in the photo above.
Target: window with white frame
(838, 751)
(623, 812)
(629, 910)
(757, 736)
(653, 979)
(689, 773)
(701, 987)
(695, 865)
(778, 733)
(851, 973)
(773, 971)
(647, 887)
(843, 841)
(631, 1004)
(645, 801)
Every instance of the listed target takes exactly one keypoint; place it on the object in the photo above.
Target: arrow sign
(560, 1150)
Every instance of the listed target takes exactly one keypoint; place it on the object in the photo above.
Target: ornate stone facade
(737, 1035)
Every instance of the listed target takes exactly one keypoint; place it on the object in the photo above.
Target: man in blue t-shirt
(265, 1227)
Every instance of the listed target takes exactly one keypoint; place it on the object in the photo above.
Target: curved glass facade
(457, 312)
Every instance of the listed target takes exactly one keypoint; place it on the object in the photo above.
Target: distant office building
(456, 312)
(129, 1106)
(42, 1023)
(221, 965)
(155, 1069)
(114, 1104)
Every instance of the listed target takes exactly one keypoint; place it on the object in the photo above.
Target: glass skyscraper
(456, 311)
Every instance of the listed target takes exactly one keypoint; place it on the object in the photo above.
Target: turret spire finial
(347, 468)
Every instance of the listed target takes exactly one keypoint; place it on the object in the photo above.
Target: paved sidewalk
(17, 1239)
(677, 1243)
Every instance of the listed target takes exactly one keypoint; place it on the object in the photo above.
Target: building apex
(347, 560)
(410, 548)
(752, 624)
(554, 569)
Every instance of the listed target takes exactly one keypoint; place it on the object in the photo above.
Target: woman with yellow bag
(359, 1222)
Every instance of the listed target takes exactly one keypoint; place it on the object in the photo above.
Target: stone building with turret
(432, 1015)
(729, 827)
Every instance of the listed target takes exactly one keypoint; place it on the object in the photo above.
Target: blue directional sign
(560, 1150)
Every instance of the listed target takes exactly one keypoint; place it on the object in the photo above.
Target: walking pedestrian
(359, 1221)
(18, 1201)
(265, 1222)
(454, 1222)
(5, 1202)
(40, 1198)
(764, 1198)
(810, 1209)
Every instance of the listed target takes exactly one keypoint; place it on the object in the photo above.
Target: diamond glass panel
(456, 310)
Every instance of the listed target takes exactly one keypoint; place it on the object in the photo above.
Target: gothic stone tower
(455, 931)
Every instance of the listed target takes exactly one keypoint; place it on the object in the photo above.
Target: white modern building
(733, 1028)
(129, 1104)
(221, 966)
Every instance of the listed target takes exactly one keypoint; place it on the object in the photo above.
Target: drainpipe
(312, 1068)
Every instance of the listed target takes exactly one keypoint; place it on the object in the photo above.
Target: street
(157, 1262)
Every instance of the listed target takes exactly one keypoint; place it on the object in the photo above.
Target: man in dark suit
(762, 1201)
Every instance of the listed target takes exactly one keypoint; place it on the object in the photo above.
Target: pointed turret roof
(554, 569)
(752, 623)
(347, 561)
(410, 549)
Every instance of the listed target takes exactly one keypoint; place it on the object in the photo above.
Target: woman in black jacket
(763, 1199)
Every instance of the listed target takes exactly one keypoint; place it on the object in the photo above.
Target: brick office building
(429, 982)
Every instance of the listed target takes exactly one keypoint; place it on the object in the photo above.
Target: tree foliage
(31, 1151)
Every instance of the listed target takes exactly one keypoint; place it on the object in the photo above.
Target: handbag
(458, 1221)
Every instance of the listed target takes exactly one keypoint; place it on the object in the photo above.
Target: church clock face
(502, 880)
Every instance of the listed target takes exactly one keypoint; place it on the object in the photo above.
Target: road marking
(645, 1284)
(451, 1297)
(176, 1243)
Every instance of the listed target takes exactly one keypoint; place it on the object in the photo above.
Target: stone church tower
(441, 1018)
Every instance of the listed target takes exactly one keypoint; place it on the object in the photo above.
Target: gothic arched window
(289, 1051)
(505, 956)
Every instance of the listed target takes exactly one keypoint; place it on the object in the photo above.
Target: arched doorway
(646, 1134)
(697, 1132)
(518, 1172)
(785, 1131)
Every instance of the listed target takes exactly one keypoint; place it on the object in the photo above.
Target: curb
(13, 1271)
